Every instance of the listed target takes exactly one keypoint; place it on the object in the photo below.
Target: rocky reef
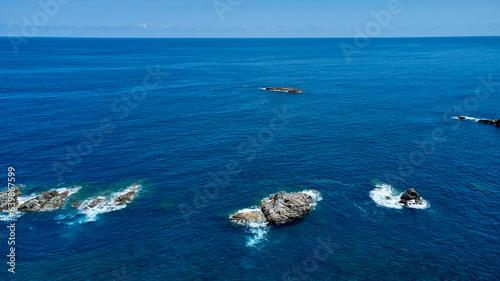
(47, 201)
(281, 208)
(11, 200)
(410, 197)
(287, 89)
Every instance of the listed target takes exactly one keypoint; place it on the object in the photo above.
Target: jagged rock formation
(47, 201)
(410, 197)
(286, 207)
(282, 208)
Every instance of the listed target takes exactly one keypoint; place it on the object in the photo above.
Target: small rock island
(288, 89)
(282, 208)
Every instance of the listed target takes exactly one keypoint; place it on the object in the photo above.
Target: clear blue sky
(246, 18)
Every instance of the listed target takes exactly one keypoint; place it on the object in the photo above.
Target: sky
(249, 18)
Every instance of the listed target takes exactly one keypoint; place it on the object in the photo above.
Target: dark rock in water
(486, 121)
(122, 199)
(286, 207)
(410, 197)
(281, 89)
(492, 122)
(248, 216)
(46, 201)
(15, 192)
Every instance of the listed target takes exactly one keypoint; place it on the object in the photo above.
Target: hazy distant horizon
(249, 19)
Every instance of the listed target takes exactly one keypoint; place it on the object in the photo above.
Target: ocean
(188, 121)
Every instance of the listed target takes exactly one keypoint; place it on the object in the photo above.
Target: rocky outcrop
(47, 201)
(488, 121)
(410, 197)
(286, 207)
(122, 199)
(15, 192)
(248, 216)
(281, 208)
(281, 89)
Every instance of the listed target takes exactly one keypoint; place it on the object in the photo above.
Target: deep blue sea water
(73, 115)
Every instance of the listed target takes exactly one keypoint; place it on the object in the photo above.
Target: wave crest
(387, 196)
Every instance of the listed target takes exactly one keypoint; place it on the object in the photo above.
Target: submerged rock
(410, 197)
(286, 207)
(248, 216)
(288, 89)
(15, 192)
(47, 201)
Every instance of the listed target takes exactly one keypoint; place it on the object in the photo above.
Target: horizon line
(300, 37)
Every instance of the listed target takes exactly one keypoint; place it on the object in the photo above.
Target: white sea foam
(466, 118)
(105, 205)
(387, 196)
(423, 205)
(259, 231)
(70, 190)
(315, 195)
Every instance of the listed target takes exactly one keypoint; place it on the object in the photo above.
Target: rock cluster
(122, 199)
(282, 208)
(56, 199)
(282, 89)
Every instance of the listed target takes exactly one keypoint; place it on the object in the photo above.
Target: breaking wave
(91, 208)
(466, 118)
(259, 231)
(387, 196)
